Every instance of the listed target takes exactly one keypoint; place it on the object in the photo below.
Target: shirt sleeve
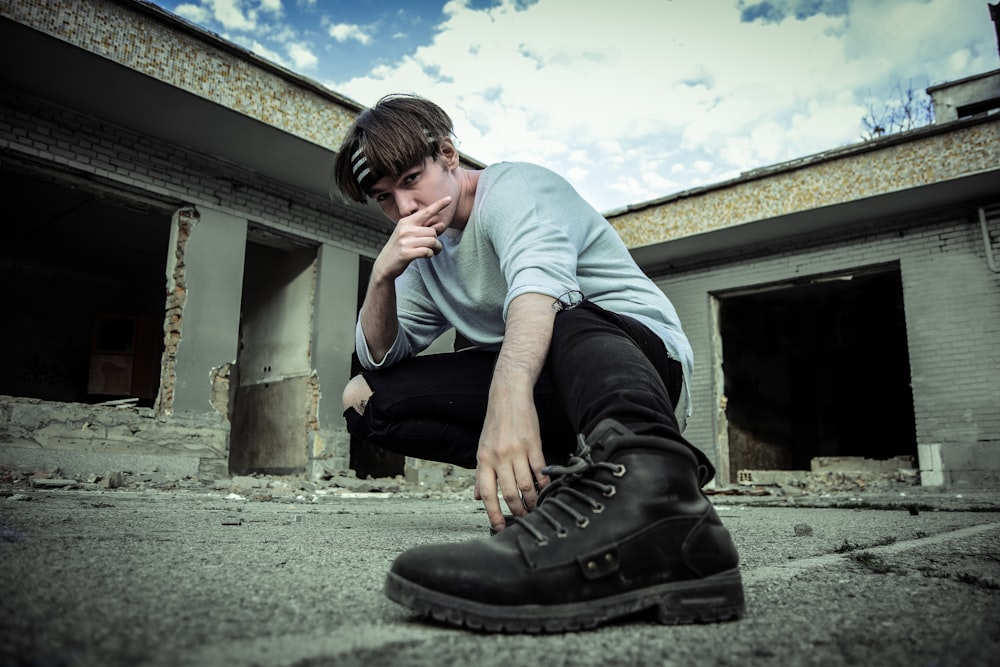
(536, 245)
(420, 323)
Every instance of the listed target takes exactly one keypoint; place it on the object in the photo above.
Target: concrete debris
(247, 482)
(254, 488)
(803, 530)
(121, 403)
(832, 474)
(111, 480)
(45, 483)
(785, 487)
(859, 464)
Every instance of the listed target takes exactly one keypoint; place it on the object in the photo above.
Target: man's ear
(448, 152)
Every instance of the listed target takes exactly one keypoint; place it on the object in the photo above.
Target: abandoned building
(182, 288)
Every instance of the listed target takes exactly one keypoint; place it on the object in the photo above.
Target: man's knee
(356, 394)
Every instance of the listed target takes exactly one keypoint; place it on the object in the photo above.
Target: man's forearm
(525, 346)
(379, 322)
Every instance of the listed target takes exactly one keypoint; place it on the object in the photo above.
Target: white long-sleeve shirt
(529, 232)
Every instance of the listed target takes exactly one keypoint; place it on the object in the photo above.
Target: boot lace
(567, 480)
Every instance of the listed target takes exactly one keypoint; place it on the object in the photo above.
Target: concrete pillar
(334, 316)
(212, 256)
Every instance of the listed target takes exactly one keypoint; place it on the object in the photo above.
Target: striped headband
(358, 161)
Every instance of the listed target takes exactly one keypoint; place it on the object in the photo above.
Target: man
(579, 361)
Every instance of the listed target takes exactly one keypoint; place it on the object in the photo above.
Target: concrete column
(334, 315)
(212, 256)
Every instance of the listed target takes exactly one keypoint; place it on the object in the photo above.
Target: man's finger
(537, 462)
(511, 492)
(526, 484)
(434, 209)
(486, 489)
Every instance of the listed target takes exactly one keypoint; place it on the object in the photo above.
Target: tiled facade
(233, 78)
(896, 163)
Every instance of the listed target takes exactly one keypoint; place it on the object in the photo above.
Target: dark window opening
(816, 369)
(84, 276)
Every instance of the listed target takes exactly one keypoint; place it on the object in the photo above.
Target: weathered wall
(213, 271)
(332, 347)
(37, 136)
(110, 155)
(893, 164)
(235, 79)
(271, 415)
(81, 439)
(953, 324)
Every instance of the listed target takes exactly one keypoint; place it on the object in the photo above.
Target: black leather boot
(623, 528)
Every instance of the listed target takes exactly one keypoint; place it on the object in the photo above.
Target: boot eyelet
(582, 523)
(562, 532)
(597, 509)
(620, 472)
(610, 491)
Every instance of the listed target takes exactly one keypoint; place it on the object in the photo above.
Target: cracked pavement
(205, 576)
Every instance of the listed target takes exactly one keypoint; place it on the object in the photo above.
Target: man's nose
(406, 204)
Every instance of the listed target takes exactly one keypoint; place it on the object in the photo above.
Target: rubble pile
(16, 482)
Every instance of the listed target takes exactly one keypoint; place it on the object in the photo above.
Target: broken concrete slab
(859, 464)
(48, 483)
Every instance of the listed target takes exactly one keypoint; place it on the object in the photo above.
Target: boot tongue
(610, 436)
(600, 440)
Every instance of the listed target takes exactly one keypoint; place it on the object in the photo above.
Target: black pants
(600, 365)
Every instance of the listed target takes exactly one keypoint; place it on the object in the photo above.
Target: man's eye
(379, 198)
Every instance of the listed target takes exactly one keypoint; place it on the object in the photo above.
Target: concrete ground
(204, 577)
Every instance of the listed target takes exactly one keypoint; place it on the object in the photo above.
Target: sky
(630, 100)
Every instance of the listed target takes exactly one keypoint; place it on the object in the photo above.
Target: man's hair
(397, 133)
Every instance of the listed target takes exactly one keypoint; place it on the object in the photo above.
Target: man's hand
(510, 456)
(413, 238)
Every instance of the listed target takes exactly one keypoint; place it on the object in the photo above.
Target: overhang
(56, 71)
(932, 169)
(801, 226)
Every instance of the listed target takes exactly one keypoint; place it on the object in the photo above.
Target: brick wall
(49, 135)
(952, 304)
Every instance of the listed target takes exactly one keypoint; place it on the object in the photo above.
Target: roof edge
(761, 173)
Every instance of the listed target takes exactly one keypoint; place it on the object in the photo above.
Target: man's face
(415, 189)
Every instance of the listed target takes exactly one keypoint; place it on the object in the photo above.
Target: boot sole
(709, 600)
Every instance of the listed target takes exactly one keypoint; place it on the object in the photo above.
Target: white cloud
(267, 53)
(236, 15)
(302, 57)
(656, 97)
(231, 15)
(343, 32)
(271, 7)
(193, 13)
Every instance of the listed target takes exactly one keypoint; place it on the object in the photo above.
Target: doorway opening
(273, 393)
(84, 270)
(816, 368)
(370, 460)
